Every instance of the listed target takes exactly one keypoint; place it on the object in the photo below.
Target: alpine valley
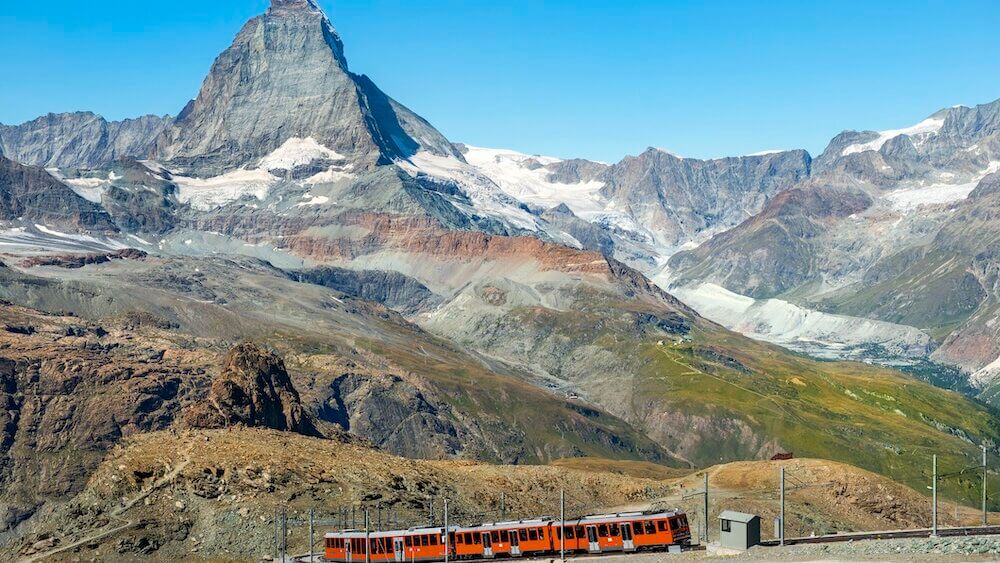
(441, 301)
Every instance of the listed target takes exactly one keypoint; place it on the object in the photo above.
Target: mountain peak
(294, 6)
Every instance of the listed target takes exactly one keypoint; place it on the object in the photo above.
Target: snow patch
(313, 200)
(922, 130)
(911, 199)
(787, 324)
(297, 152)
(484, 194)
(208, 193)
(987, 375)
(523, 177)
(330, 176)
(90, 189)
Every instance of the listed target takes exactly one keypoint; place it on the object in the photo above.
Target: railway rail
(890, 535)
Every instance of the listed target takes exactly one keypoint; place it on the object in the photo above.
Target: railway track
(890, 535)
(304, 558)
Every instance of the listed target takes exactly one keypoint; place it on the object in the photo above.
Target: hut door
(594, 545)
(627, 543)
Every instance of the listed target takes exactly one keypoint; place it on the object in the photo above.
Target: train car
(418, 544)
(628, 532)
(515, 538)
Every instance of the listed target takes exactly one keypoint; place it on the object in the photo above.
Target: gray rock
(286, 76)
(32, 193)
(80, 139)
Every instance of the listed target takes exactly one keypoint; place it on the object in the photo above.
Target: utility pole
(934, 522)
(562, 525)
(284, 533)
(447, 536)
(311, 513)
(985, 513)
(368, 542)
(781, 531)
(430, 512)
(503, 506)
(277, 544)
(706, 508)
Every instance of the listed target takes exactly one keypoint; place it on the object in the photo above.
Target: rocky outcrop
(392, 289)
(253, 390)
(70, 391)
(74, 261)
(79, 140)
(285, 76)
(31, 193)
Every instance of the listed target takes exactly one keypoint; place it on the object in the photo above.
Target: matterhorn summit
(286, 77)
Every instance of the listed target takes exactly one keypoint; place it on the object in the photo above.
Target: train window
(532, 534)
(579, 532)
(408, 541)
(503, 536)
(675, 524)
(495, 536)
(662, 525)
(569, 532)
(460, 539)
(558, 534)
(523, 534)
(468, 538)
(637, 528)
(650, 527)
(602, 530)
(434, 539)
(615, 532)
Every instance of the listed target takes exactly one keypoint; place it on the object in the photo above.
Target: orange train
(629, 532)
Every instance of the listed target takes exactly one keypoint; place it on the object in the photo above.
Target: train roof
(617, 517)
(487, 526)
(389, 533)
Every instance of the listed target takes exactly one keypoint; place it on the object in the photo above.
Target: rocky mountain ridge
(892, 226)
(79, 140)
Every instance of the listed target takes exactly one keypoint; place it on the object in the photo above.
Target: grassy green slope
(874, 418)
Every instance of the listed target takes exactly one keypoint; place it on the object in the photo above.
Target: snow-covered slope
(526, 178)
(817, 333)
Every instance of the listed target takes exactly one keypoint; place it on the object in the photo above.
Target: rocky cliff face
(286, 76)
(80, 139)
(680, 198)
(32, 193)
(253, 390)
(69, 391)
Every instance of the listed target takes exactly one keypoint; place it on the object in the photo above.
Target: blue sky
(570, 78)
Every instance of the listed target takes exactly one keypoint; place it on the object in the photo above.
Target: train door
(594, 545)
(397, 549)
(347, 549)
(515, 544)
(487, 545)
(627, 543)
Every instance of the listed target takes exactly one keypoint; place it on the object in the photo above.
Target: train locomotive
(625, 532)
